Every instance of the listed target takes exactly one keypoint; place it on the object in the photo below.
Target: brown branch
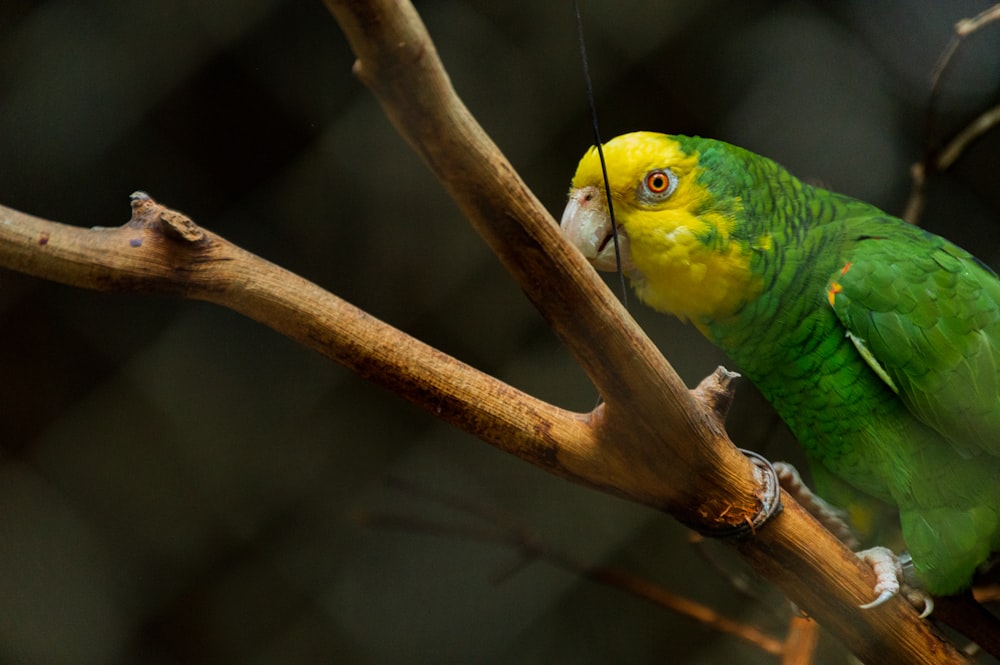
(653, 434)
(651, 441)
(800, 643)
(651, 422)
(161, 251)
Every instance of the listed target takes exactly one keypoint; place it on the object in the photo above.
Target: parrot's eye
(658, 185)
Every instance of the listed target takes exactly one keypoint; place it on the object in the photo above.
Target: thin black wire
(600, 150)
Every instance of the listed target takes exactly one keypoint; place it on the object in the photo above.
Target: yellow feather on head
(685, 259)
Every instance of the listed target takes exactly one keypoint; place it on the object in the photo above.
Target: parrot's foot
(770, 499)
(889, 580)
(832, 518)
(889, 569)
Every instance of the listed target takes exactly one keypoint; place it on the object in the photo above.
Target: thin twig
(938, 160)
(982, 124)
(962, 29)
(532, 548)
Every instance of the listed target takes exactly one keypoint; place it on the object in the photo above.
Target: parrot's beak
(587, 225)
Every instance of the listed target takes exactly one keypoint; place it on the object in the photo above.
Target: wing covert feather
(928, 313)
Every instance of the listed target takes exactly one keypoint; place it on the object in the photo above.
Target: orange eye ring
(657, 182)
(657, 185)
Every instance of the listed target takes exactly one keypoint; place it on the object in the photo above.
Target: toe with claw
(831, 517)
(889, 571)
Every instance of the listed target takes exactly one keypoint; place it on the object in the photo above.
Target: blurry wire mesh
(177, 482)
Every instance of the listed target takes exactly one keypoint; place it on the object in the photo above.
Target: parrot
(876, 342)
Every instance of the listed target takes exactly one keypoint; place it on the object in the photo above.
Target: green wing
(925, 315)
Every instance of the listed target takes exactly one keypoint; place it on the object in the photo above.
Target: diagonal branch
(650, 419)
(643, 394)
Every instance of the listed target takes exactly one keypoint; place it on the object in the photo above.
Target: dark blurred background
(180, 485)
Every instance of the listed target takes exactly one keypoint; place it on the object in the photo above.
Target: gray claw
(882, 597)
(887, 570)
(890, 573)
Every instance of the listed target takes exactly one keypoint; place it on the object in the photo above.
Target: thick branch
(655, 437)
(161, 251)
(650, 419)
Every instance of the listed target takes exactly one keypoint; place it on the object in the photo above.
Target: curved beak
(587, 225)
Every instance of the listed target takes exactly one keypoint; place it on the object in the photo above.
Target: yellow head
(677, 239)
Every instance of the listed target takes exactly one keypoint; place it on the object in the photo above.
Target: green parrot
(877, 342)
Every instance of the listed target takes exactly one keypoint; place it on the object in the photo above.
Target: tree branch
(650, 419)
(161, 251)
(645, 399)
